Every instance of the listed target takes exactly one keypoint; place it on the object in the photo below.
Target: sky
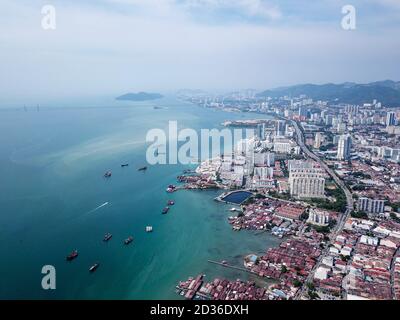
(118, 46)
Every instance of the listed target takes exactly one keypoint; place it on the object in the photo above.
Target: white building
(390, 119)
(280, 128)
(264, 158)
(344, 147)
(264, 172)
(372, 241)
(306, 182)
(371, 205)
(318, 218)
(318, 140)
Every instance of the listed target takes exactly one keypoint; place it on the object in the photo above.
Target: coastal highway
(341, 220)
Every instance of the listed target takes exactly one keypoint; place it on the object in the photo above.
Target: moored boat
(171, 188)
(72, 255)
(165, 210)
(107, 237)
(128, 240)
(108, 174)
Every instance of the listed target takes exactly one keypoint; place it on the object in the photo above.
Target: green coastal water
(51, 166)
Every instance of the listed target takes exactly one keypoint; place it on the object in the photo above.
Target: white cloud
(390, 3)
(95, 50)
(249, 8)
(253, 8)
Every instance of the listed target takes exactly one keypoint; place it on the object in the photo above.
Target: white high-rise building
(280, 128)
(341, 127)
(344, 147)
(306, 181)
(351, 109)
(390, 119)
(264, 172)
(371, 205)
(329, 119)
(264, 158)
(318, 140)
(261, 131)
(318, 217)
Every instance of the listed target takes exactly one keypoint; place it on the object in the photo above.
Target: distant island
(140, 96)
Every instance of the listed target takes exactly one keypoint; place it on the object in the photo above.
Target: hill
(140, 96)
(387, 92)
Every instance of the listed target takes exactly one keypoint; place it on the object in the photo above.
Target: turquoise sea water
(51, 167)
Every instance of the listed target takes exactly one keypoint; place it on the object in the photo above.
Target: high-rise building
(351, 109)
(264, 159)
(270, 159)
(303, 112)
(344, 147)
(318, 140)
(280, 128)
(261, 131)
(318, 217)
(371, 205)
(341, 127)
(329, 119)
(390, 118)
(306, 181)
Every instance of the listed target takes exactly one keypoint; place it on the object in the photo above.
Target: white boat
(149, 229)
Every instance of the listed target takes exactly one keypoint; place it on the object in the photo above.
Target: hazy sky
(115, 46)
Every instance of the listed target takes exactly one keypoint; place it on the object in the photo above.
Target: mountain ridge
(386, 91)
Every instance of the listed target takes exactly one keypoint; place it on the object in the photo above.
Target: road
(342, 219)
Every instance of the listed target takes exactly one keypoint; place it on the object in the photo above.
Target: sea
(54, 199)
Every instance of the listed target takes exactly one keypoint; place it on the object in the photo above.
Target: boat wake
(99, 207)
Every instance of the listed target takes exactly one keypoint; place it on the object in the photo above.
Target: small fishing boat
(128, 240)
(171, 188)
(72, 255)
(170, 202)
(124, 165)
(149, 229)
(107, 237)
(94, 267)
(108, 174)
(165, 210)
(142, 169)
